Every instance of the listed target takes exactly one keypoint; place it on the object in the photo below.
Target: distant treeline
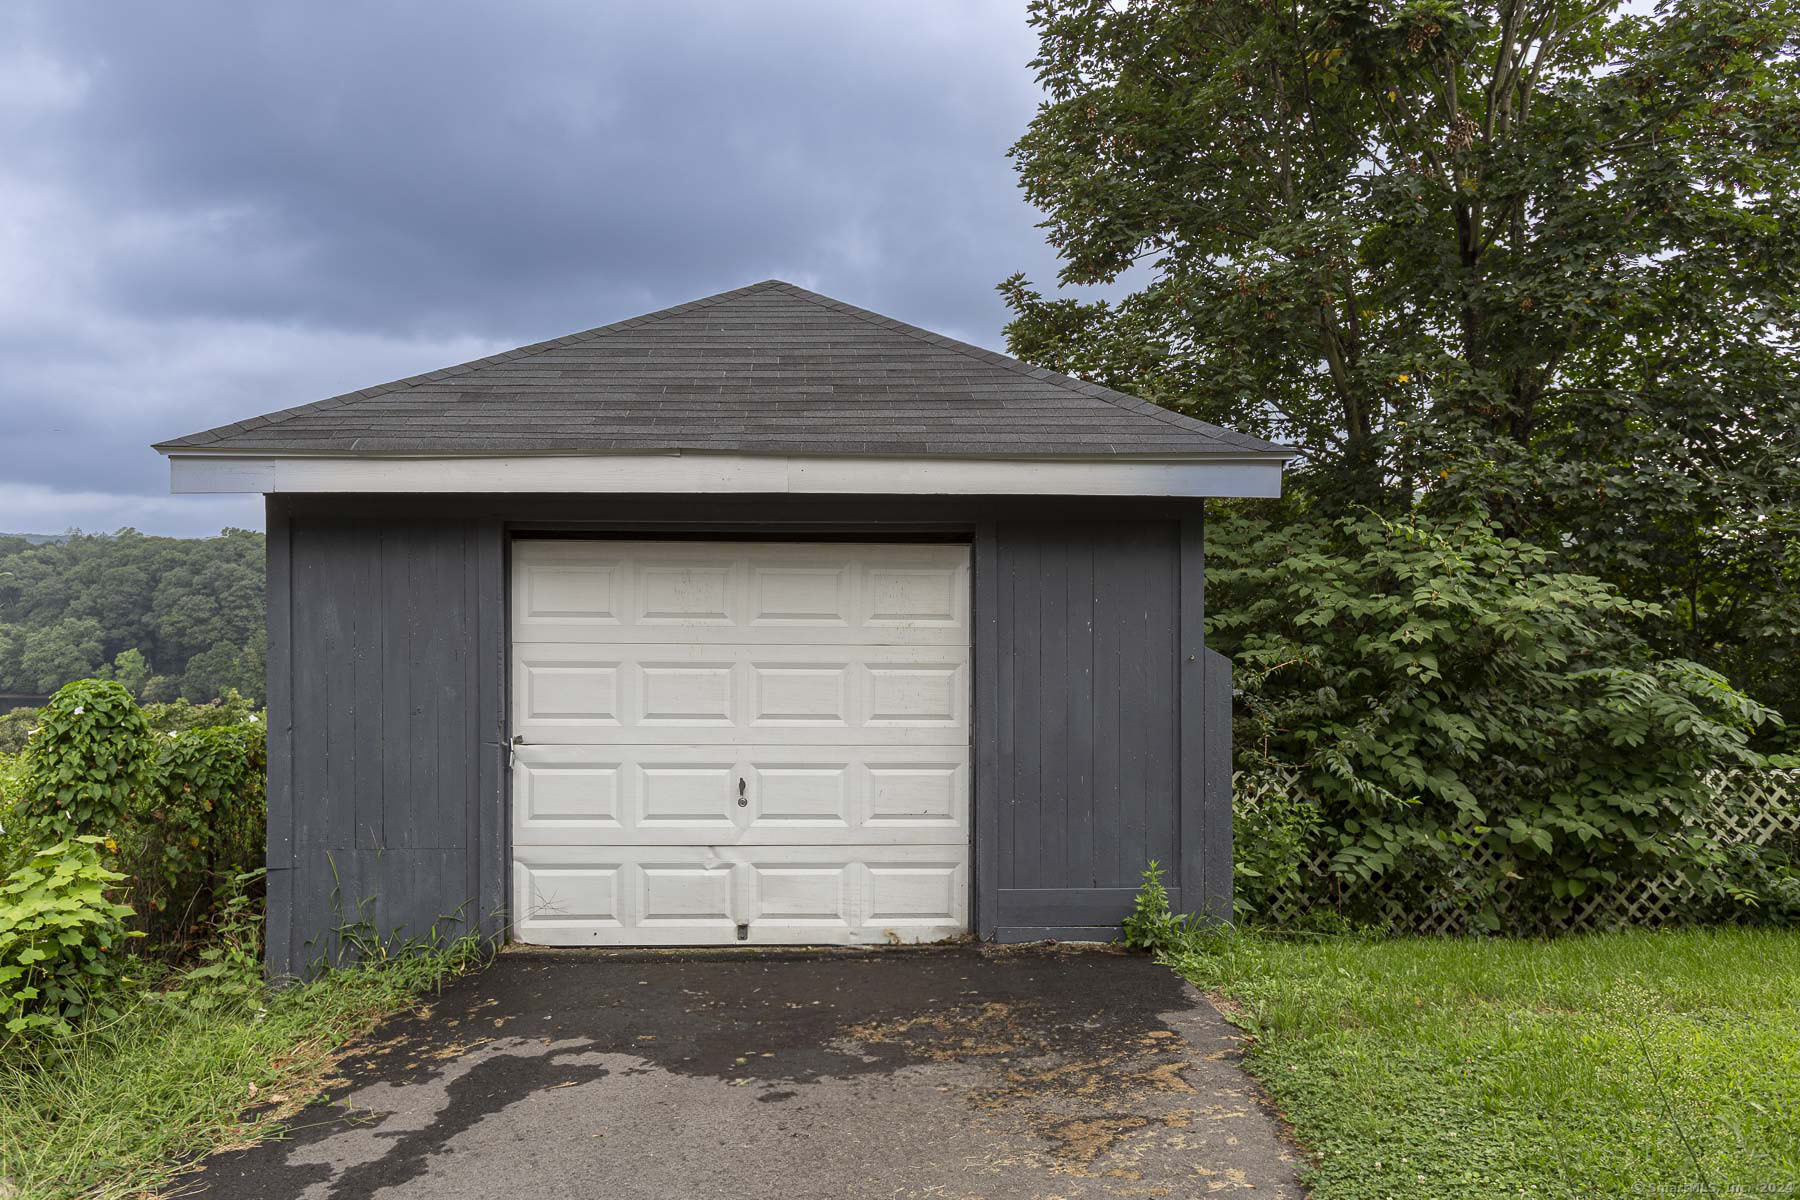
(170, 618)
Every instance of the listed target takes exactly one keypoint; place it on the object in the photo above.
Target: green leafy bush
(88, 762)
(186, 805)
(203, 825)
(17, 726)
(178, 715)
(1447, 689)
(59, 938)
(228, 976)
(12, 796)
(1272, 842)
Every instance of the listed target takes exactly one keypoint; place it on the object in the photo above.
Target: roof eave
(1226, 473)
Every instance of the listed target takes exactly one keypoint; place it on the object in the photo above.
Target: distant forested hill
(168, 617)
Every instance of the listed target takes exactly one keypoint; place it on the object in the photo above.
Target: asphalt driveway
(952, 1073)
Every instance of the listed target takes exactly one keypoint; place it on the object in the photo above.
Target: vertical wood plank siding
(378, 712)
(1101, 722)
(1101, 734)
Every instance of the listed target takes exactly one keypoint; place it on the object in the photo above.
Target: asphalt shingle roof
(770, 369)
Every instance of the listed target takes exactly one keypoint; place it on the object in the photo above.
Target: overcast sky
(209, 211)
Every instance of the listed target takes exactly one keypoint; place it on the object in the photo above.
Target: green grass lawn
(1630, 1064)
(109, 1112)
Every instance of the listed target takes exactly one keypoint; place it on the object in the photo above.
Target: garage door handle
(742, 802)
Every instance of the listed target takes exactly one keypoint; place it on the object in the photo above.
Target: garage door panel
(920, 597)
(667, 795)
(759, 593)
(796, 596)
(571, 692)
(575, 897)
(686, 796)
(686, 694)
(917, 695)
(814, 795)
(800, 694)
(683, 894)
(905, 894)
(773, 895)
(725, 742)
(555, 692)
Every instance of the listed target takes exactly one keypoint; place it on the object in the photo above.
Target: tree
(67, 650)
(1449, 690)
(131, 670)
(1534, 258)
(168, 600)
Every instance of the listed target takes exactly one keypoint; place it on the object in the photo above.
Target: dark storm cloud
(208, 211)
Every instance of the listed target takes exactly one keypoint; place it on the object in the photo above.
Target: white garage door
(719, 742)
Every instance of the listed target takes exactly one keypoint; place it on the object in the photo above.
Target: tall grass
(114, 1109)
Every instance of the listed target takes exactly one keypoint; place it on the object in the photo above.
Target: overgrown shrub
(1448, 690)
(186, 806)
(228, 974)
(202, 826)
(176, 716)
(60, 937)
(17, 726)
(87, 764)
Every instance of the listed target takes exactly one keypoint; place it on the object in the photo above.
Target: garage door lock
(743, 931)
(742, 801)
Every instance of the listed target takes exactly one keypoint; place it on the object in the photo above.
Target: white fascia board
(1248, 475)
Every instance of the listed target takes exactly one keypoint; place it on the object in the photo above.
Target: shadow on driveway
(953, 1073)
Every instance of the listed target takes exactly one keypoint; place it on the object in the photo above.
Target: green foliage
(87, 764)
(132, 671)
(59, 939)
(42, 659)
(180, 791)
(1150, 925)
(13, 848)
(169, 617)
(228, 975)
(121, 1107)
(1533, 253)
(177, 716)
(204, 824)
(1448, 688)
(166, 717)
(1272, 842)
(16, 728)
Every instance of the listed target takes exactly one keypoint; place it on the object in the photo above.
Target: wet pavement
(947, 1073)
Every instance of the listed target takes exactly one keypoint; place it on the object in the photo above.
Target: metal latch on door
(743, 801)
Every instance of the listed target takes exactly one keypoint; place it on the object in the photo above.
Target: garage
(763, 742)
(762, 620)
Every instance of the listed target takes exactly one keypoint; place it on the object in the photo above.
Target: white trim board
(1249, 475)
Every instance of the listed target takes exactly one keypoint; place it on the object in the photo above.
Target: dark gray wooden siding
(1093, 621)
(384, 728)
(1101, 723)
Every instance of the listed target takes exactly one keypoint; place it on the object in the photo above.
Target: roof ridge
(1118, 399)
(217, 433)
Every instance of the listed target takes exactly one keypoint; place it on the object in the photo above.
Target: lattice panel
(1748, 808)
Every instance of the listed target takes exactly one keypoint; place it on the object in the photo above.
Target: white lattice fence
(1748, 808)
